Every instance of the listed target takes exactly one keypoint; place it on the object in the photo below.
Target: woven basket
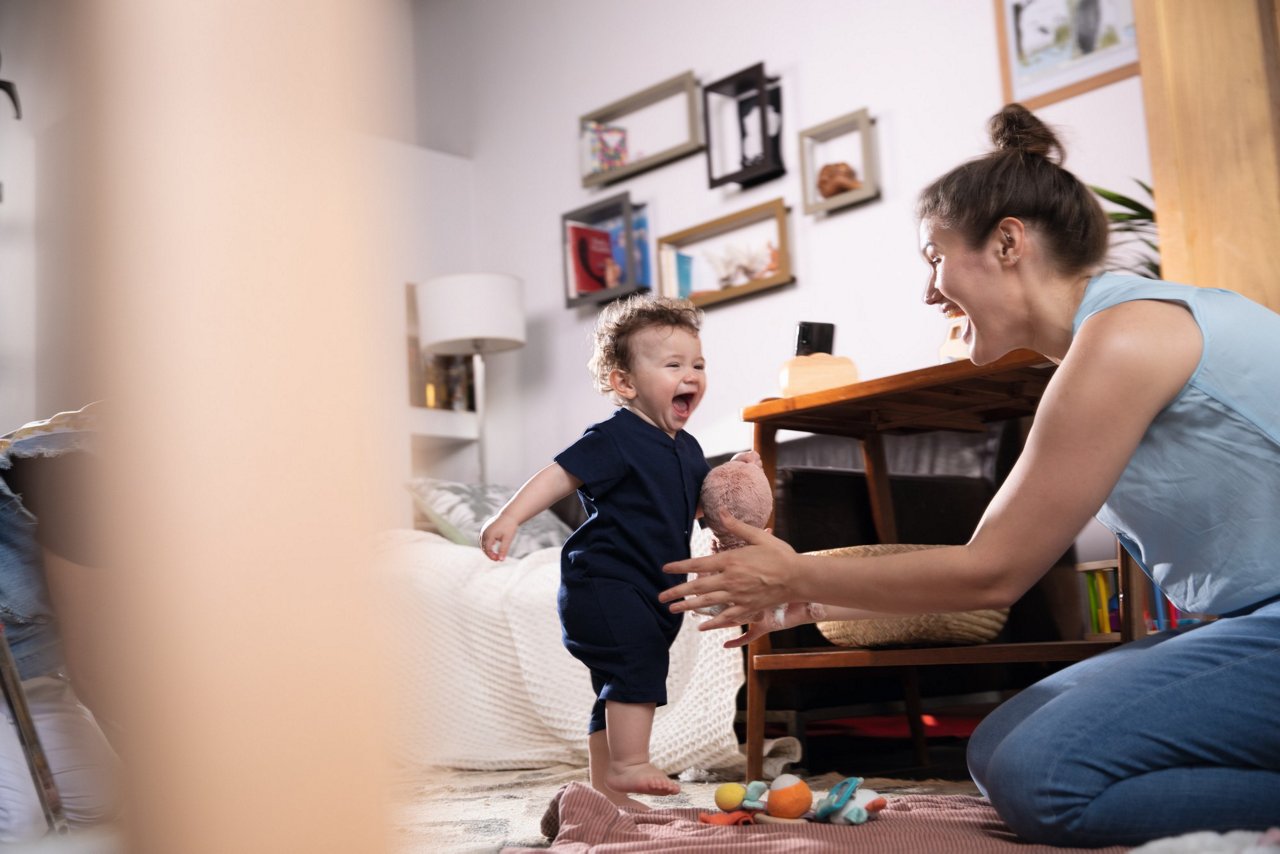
(959, 627)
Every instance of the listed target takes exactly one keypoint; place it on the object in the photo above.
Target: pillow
(457, 510)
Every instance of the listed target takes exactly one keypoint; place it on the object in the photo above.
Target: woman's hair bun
(1015, 128)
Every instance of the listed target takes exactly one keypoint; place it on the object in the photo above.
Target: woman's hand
(789, 616)
(755, 578)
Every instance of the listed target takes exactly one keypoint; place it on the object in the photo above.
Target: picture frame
(1054, 49)
(846, 149)
(742, 116)
(606, 251)
(727, 258)
(641, 131)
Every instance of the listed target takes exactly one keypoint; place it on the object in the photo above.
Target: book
(589, 259)
(639, 245)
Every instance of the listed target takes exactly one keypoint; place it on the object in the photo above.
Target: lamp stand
(477, 365)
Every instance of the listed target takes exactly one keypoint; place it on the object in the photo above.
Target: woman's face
(967, 282)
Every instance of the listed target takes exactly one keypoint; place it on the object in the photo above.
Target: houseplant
(1135, 222)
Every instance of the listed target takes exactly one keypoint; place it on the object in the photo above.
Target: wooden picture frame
(731, 259)
(1072, 54)
(606, 251)
(614, 138)
(860, 183)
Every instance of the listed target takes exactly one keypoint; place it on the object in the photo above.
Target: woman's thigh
(1132, 738)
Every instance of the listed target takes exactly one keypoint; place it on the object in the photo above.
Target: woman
(51, 607)
(1164, 420)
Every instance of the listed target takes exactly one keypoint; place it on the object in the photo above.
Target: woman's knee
(1029, 782)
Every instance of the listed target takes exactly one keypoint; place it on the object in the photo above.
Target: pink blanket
(910, 824)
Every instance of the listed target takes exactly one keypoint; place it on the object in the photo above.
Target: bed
(484, 682)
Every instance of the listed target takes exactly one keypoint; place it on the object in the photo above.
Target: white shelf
(443, 424)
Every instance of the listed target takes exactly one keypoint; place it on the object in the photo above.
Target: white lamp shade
(471, 313)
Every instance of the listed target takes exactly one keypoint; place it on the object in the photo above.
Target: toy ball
(789, 797)
(729, 796)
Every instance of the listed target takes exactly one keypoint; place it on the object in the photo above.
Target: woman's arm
(538, 493)
(1125, 365)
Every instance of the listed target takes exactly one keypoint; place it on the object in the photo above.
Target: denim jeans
(25, 611)
(1171, 734)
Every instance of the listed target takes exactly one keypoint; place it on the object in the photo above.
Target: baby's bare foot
(642, 779)
(624, 803)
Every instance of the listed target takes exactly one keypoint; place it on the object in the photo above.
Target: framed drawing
(726, 258)
(606, 251)
(1056, 49)
(838, 163)
(641, 131)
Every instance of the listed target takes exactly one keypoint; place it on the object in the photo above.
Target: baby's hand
(748, 457)
(496, 535)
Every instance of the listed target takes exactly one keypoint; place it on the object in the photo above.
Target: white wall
(926, 69)
(18, 64)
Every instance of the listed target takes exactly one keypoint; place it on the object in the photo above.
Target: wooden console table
(954, 396)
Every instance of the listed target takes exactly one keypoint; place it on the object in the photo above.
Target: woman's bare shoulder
(1151, 345)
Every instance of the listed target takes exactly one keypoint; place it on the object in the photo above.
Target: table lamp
(471, 314)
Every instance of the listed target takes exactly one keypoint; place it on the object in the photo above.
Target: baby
(638, 475)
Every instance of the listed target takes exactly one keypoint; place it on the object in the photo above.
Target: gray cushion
(457, 510)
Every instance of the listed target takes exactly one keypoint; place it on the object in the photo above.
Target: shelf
(821, 658)
(650, 128)
(443, 424)
(717, 272)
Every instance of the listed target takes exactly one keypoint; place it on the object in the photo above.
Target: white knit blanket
(487, 685)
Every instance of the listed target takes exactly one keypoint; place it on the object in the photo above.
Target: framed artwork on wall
(727, 258)
(1051, 50)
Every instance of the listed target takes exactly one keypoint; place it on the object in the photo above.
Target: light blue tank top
(1198, 505)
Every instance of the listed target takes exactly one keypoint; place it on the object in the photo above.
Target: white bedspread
(487, 685)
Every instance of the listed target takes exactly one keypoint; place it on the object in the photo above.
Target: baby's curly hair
(621, 319)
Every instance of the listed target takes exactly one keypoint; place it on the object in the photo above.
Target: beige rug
(453, 812)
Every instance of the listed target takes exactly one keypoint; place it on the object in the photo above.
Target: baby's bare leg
(598, 751)
(629, 769)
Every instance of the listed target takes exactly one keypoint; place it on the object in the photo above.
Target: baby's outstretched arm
(538, 493)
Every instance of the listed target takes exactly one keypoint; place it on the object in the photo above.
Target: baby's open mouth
(682, 404)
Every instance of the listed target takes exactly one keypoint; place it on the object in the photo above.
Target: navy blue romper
(640, 489)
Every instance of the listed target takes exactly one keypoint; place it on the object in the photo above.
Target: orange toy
(789, 797)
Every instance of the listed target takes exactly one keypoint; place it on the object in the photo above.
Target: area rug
(957, 824)
(470, 812)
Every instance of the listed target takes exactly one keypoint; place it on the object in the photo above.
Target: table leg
(757, 690)
(878, 486)
(766, 445)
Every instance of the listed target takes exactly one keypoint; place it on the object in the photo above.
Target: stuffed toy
(740, 488)
(849, 804)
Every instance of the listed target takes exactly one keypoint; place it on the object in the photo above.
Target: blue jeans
(1171, 734)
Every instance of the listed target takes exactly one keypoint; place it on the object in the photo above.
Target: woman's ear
(620, 382)
(1010, 237)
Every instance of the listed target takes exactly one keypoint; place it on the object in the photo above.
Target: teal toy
(756, 792)
(848, 804)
